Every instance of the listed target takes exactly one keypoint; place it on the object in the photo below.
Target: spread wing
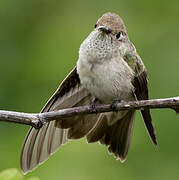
(141, 89)
(39, 144)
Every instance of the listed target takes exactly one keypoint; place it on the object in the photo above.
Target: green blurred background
(39, 42)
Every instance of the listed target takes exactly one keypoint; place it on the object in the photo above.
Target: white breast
(108, 81)
(103, 71)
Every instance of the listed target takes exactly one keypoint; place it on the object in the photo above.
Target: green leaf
(11, 174)
(33, 178)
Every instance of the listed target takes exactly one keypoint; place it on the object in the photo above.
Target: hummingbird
(108, 70)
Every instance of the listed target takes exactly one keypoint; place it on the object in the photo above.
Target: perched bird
(108, 70)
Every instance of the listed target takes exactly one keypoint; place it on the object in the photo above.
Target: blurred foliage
(39, 42)
(13, 174)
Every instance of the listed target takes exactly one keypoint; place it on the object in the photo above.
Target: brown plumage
(40, 144)
(122, 77)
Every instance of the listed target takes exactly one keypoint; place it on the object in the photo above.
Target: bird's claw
(93, 106)
(114, 105)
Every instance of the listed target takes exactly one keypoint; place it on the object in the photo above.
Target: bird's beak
(104, 29)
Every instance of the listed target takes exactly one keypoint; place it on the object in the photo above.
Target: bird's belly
(108, 81)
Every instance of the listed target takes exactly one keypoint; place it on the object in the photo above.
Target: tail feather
(82, 126)
(99, 129)
(117, 136)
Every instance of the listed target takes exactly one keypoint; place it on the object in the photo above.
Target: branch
(38, 119)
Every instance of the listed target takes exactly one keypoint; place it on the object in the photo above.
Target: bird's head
(112, 25)
(107, 38)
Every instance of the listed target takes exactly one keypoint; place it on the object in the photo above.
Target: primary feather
(39, 144)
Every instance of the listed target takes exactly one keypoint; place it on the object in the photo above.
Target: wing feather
(40, 144)
(141, 89)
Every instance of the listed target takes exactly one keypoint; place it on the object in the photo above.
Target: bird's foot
(93, 105)
(113, 106)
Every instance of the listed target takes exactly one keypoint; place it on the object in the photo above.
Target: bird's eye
(119, 36)
(95, 25)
